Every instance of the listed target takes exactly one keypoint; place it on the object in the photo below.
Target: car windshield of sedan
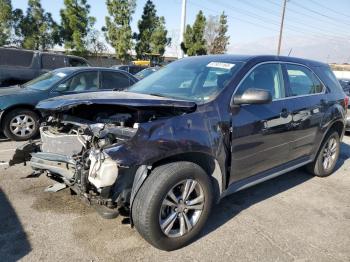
(46, 81)
(193, 79)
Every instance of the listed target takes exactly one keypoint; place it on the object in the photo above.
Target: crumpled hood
(129, 99)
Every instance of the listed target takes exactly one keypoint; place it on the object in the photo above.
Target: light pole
(281, 28)
(182, 26)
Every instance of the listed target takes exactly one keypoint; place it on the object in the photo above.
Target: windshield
(196, 79)
(46, 81)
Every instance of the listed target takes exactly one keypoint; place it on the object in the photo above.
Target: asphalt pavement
(293, 217)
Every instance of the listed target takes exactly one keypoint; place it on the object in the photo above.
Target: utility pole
(281, 28)
(182, 26)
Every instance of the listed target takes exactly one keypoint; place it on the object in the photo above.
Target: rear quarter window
(14, 57)
(330, 77)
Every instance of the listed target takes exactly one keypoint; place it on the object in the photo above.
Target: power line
(294, 28)
(318, 13)
(296, 23)
(266, 10)
(237, 18)
(330, 9)
(310, 35)
(312, 17)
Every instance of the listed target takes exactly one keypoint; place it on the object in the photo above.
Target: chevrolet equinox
(172, 145)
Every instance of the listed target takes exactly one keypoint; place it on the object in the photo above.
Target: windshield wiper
(156, 94)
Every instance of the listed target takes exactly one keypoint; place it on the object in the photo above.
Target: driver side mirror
(252, 96)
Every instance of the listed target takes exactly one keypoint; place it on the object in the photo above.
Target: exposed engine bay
(72, 150)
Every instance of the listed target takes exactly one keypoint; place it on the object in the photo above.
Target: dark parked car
(18, 118)
(190, 134)
(345, 83)
(132, 69)
(146, 72)
(18, 66)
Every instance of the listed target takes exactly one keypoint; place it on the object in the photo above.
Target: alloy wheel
(329, 153)
(22, 125)
(181, 208)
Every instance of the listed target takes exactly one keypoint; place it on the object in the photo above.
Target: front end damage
(75, 146)
(72, 152)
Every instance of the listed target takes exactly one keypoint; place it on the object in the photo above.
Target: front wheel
(327, 157)
(21, 124)
(173, 205)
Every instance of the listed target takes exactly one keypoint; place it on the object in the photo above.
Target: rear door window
(115, 80)
(50, 62)
(302, 81)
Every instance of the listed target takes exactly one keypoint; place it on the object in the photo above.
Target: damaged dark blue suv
(197, 130)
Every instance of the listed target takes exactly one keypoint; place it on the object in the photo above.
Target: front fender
(164, 138)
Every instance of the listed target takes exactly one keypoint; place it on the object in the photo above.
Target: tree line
(36, 29)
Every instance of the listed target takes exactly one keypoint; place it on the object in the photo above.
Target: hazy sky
(317, 29)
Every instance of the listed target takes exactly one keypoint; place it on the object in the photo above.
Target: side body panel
(306, 114)
(259, 134)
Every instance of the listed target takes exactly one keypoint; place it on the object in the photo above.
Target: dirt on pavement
(293, 217)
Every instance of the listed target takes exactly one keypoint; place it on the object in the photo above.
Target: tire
(30, 126)
(318, 167)
(148, 210)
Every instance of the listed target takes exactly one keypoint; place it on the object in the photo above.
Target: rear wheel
(327, 157)
(173, 205)
(21, 124)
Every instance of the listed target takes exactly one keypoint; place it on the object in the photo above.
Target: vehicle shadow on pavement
(344, 155)
(14, 243)
(3, 138)
(232, 205)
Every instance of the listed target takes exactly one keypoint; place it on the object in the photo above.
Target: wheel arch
(17, 106)
(209, 164)
(337, 125)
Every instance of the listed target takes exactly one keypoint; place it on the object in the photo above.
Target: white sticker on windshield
(60, 74)
(220, 65)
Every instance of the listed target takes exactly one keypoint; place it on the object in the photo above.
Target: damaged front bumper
(89, 172)
(61, 165)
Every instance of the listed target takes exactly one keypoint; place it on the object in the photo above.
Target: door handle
(284, 113)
